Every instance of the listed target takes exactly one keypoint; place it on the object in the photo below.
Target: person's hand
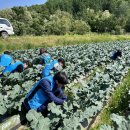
(64, 98)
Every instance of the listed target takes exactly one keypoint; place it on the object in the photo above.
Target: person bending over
(116, 54)
(48, 89)
(18, 66)
(55, 65)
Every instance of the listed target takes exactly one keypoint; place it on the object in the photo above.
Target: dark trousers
(23, 113)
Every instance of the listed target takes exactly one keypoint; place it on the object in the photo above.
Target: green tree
(59, 23)
(8, 14)
(80, 27)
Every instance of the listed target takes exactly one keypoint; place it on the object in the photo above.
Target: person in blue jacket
(48, 89)
(18, 66)
(53, 66)
(45, 56)
(116, 54)
(5, 59)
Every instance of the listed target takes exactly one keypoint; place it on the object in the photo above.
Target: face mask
(58, 67)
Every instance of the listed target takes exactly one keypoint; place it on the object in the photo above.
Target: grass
(28, 42)
(117, 104)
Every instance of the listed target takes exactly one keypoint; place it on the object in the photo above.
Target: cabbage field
(93, 77)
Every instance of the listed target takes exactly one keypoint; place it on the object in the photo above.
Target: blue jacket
(42, 93)
(46, 58)
(48, 68)
(11, 68)
(114, 56)
(5, 60)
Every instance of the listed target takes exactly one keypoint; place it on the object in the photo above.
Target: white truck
(6, 28)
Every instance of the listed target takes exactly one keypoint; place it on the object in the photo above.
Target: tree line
(59, 17)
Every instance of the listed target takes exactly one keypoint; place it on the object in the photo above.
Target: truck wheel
(4, 34)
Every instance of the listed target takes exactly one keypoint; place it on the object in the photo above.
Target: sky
(4, 4)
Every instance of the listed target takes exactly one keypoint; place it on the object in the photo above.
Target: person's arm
(7, 69)
(45, 85)
(60, 94)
